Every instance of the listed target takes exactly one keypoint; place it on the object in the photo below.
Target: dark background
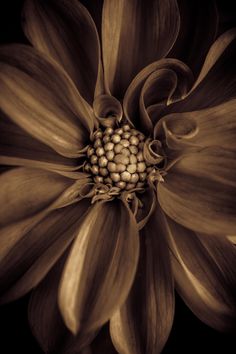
(188, 335)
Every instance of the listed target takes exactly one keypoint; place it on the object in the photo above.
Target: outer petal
(150, 76)
(45, 319)
(143, 323)
(129, 44)
(204, 269)
(27, 191)
(100, 268)
(198, 27)
(199, 191)
(217, 81)
(35, 252)
(38, 96)
(215, 126)
(66, 32)
(17, 147)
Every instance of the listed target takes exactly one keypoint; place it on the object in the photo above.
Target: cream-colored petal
(143, 323)
(66, 32)
(101, 266)
(134, 34)
(39, 96)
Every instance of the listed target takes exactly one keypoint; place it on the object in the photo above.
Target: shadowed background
(15, 334)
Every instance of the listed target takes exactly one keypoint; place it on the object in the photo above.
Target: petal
(25, 192)
(30, 259)
(198, 27)
(39, 97)
(152, 75)
(101, 266)
(67, 33)
(199, 191)
(143, 323)
(17, 147)
(129, 44)
(216, 50)
(107, 110)
(204, 270)
(45, 320)
(217, 81)
(215, 126)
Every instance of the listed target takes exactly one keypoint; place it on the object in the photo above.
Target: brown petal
(133, 36)
(36, 251)
(169, 67)
(216, 83)
(143, 323)
(158, 87)
(39, 96)
(204, 270)
(108, 110)
(45, 319)
(199, 191)
(198, 27)
(101, 266)
(25, 192)
(18, 148)
(67, 33)
(216, 50)
(214, 126)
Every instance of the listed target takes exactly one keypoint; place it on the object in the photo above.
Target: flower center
(116, 158)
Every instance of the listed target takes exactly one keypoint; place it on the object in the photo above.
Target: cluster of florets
(116, 158)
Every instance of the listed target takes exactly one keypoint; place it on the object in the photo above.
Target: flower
(120, 179)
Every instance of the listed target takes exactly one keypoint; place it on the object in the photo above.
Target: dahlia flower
(119, 172)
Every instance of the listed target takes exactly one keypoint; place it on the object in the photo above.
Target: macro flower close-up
(118, 171)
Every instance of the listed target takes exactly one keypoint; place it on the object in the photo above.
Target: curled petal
(199, 191)
(204, 270)
(143, 323)
(198, 28)
(152, 151)
(163, 72)
(158, 87)
(39, 96)
(214, 126)
(101, 266)
(107, 110)
(67, 33)
(45, 320)
(216, 83)
(129, 44)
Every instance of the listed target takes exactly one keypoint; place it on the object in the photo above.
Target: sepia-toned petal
(199, 191)
(25, 192)
(215, 126)
(101, 266)
(131, 100)
(129, 44)
(66, 32)
(39, 96)
(45, 319)
(198, 27)
(217, 81)
(36, 251)
(204, 270)
(18, 148)
(216, 50)
(143, 323)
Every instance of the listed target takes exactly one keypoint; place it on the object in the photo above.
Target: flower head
(120, 179)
